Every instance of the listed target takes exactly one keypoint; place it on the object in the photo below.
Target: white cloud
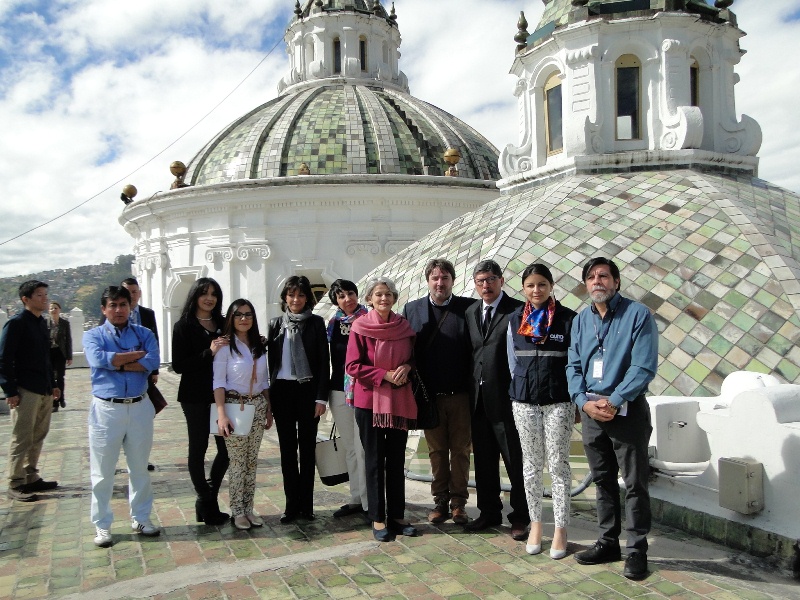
(92, 89)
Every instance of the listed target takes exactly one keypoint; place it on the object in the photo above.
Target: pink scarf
(392, 407)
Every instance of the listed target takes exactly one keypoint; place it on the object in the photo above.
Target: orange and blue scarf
(536, 321)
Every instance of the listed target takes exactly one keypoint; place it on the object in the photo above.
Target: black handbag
(427, 411)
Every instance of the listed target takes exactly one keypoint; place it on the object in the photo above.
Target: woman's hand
(224, 425)
(401, 374)
(218, 343)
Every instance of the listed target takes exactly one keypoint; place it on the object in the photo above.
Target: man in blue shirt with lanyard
(613, 356)
(121, 356)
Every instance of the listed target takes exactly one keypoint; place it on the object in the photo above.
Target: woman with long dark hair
(195, 341)
(379, 359)
(299, 367)
(240, 377)
(538, 339)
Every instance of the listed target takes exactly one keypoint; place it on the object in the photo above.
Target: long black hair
(537, 269)
(253, 336)
(200, 288)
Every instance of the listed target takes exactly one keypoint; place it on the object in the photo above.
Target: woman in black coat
(195, 341)
(299, 372)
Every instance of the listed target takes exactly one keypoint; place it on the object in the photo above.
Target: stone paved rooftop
(46, 548)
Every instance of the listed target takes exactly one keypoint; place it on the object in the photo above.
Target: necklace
(208, 319)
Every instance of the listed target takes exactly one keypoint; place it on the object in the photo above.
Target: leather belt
(122, 400)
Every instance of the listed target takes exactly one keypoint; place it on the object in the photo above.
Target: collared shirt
(629, 352)
(234, 371)
(136, 317)
(494, 306)
(445, 303)
(102, 343)
(25, 355)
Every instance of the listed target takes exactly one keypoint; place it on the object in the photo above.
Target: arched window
(628, 71)
(554, 139)
(362, 52)
(694, 83)
(337, 55)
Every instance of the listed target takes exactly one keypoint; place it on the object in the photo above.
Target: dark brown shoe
(483, 522)
(460, 515)
(20, 495)
(519, 531)
(439, 514)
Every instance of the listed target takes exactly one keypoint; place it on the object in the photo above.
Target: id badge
(597, 368)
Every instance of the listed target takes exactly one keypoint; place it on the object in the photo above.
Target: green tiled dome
(341, 128)
(714, 256)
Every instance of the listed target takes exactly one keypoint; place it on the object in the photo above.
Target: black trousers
(59, 364)
(197, 426)
(614, 446)
(384, 462)
(491, 441)
(293, 406)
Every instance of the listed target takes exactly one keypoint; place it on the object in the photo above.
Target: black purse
(427, 411)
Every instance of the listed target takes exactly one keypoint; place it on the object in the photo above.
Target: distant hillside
(79, 287)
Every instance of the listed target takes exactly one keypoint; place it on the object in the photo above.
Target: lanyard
(603, 332)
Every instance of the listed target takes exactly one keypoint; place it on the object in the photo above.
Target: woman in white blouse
(240, 376)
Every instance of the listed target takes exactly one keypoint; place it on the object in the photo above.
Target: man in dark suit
(442, 355)
(493, 431)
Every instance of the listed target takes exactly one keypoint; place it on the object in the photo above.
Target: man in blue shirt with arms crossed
(613, 357)
(121, 356)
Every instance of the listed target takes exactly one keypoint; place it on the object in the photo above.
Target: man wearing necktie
(494, 434)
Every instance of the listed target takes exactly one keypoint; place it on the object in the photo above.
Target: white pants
(345, 419)
(111, 427)
(546, 430)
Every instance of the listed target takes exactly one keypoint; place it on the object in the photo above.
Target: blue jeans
(129, 427)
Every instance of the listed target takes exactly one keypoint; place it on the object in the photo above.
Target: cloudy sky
(95, 94)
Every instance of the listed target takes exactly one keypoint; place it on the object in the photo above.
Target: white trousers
(345, 419)
(129, 427)
(545, 430)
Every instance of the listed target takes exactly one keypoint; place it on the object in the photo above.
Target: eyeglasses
(242, 315)
(485, 280)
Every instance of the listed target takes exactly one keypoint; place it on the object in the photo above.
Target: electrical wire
(162, 151)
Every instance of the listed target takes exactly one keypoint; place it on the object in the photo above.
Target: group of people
(509, 379)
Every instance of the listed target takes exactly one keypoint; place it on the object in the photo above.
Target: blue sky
(92, 90)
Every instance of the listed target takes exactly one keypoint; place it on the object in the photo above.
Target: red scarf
(392, 407)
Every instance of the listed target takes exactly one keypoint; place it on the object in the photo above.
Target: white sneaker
(146, 528)
(102, 538)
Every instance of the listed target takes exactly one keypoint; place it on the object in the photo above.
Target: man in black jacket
(27, 378)
(442, 355)
(493, 431)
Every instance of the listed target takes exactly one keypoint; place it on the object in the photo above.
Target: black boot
(207, 510)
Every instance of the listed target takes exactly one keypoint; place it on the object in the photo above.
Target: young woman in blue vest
(538, 339)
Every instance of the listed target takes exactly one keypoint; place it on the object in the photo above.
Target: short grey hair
(375, 282)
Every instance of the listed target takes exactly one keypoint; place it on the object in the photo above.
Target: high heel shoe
(533, 548)
(557, 554)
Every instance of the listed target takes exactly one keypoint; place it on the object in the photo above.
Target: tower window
(337, 55)
(554, 138)
(362, 53)
(628, 70)
(694, 83)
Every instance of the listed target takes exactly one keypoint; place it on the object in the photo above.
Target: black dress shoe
(519, 531)
(635, 566)
(598, 554)
(63, 403)
(288, 518)
(40, 486)
(406, 529)
(347, 510)
(382, 535)
(307, 515)
(483, 522)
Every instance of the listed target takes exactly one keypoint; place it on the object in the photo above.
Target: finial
(128, 194)
(318, 3)
(522, 32)
(297, 10)
(178, 169)
(393, 15)
(452, 156)
(723, 4)
(376, 6)
(303, 169)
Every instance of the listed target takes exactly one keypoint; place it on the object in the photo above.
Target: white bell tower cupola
(642, 83)
(351, 40)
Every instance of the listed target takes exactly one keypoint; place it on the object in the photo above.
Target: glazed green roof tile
(720, 304)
